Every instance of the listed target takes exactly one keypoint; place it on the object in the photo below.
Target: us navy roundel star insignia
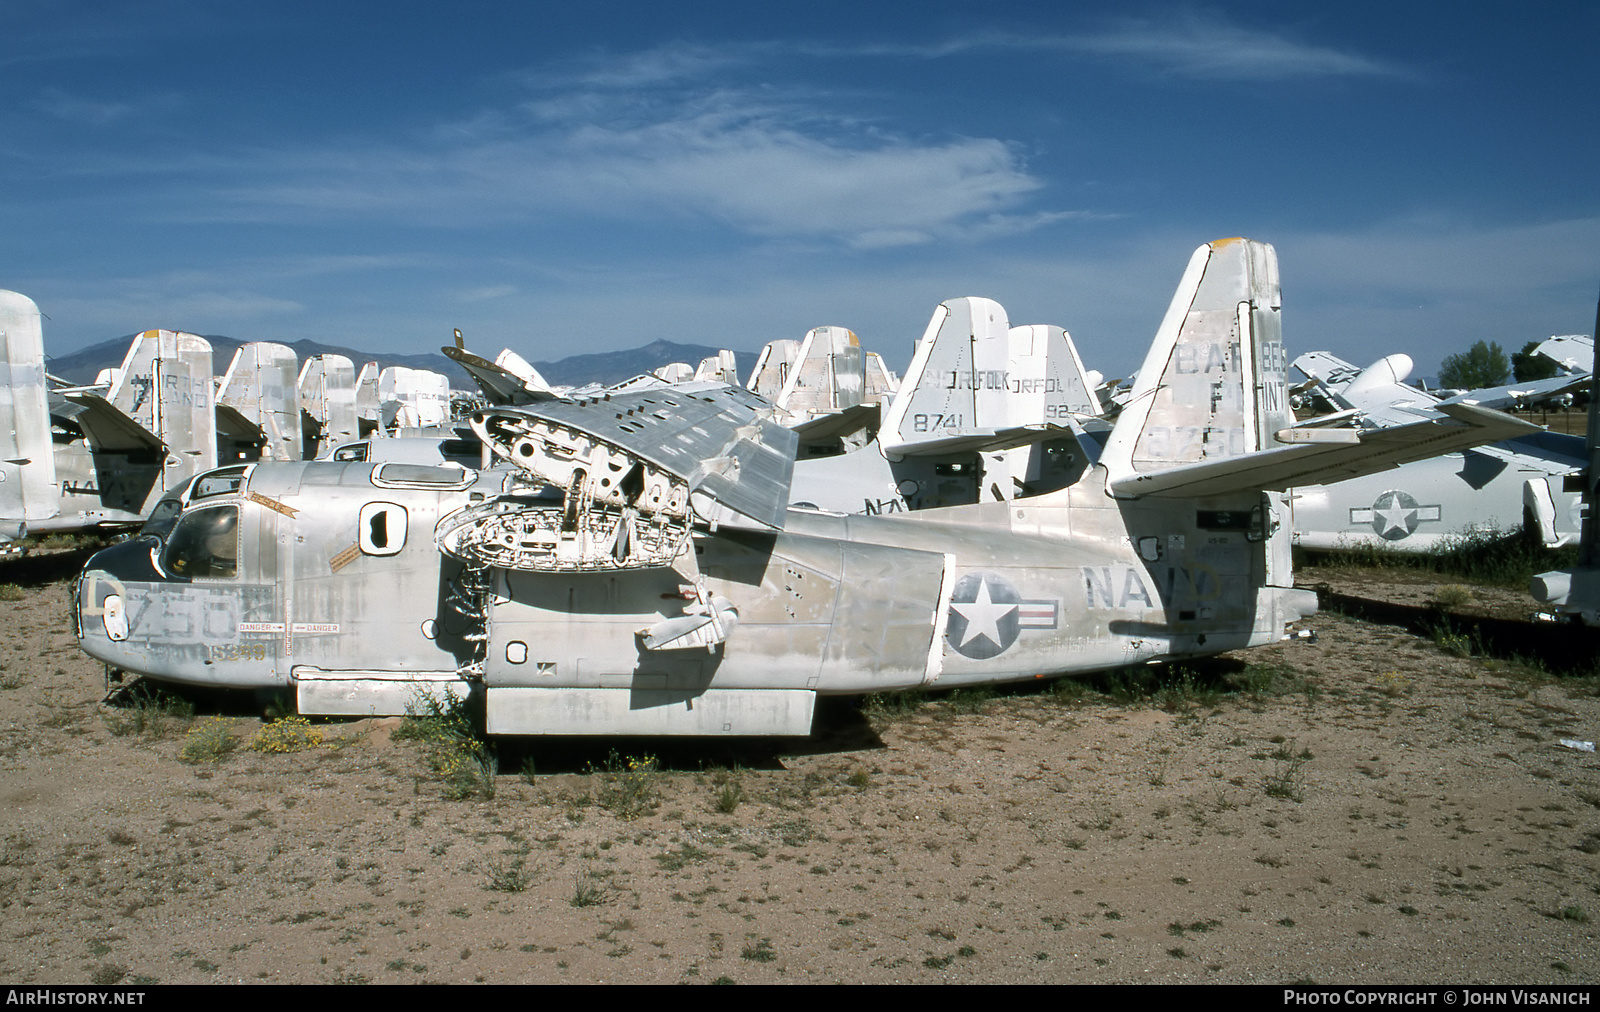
(985, 615)
(1395, 515)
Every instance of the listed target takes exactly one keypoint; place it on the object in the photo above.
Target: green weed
(759, 951)
(588, 890)
(1454, 643)
(508, 877)
(209, 741)
(1288, 780)
(455, 751)
(1481, 557)
(730, 790)
(149, 711)
(628, 788)
(890, 705)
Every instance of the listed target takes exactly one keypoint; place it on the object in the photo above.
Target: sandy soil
(1366, 808)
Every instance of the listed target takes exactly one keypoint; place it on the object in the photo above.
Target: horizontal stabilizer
(1319, 463)
(232, 424)
(499, 384)
(988, 442)
(110, 430)
(1327, 367)
(839, 424)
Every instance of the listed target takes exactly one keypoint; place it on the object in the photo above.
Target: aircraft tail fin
(828, 374)
(27, 460)
(771, 373)
(955, 384)
(327, 403)
(369, 417)
(1213, 385)
(165, 386)
(1046, 378)
(881, 381)
(1209, 414)
(260, 385)
(719, 368)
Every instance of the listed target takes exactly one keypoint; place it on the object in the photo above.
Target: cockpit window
(162, 518)
(222, 481)
(205, 544)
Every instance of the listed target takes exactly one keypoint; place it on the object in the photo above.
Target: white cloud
(759, 168)
(487, 293)
(1206, 46)
(1194, 44)
(90, 112)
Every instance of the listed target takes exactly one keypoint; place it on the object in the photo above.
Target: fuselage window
(222, 481)
(205, 544)
(382, 528)
(398, 475)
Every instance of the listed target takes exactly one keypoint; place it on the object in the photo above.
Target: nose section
(102, 616)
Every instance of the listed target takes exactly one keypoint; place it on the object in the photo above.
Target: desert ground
(1388, 803)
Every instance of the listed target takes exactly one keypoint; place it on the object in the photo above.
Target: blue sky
(564, 178)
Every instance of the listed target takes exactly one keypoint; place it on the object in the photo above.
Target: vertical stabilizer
(719, 368)
(27, 461)
(368, 415)
(828, 374)
(772, 368)
(165, 385)
(261, 386)
(1046, 378)
(413, 399)
(881, 382)
(327, 403)
(956, 382)
(1213, 384)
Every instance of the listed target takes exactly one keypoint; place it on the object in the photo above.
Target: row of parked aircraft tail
(102, 454)
(981, 417)
(971, 424)
(634, 563)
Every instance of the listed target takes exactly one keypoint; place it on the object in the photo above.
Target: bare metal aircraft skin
(631, 566)
(103, 454)
(1575, 593)
(1420, 505)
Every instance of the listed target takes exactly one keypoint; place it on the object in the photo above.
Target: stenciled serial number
(241, 651)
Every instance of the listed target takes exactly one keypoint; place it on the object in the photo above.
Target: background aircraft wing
(1327, 367)
(720, 439)
(1329, 455)
(1517, 393)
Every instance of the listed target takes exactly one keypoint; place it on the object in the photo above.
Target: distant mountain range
(605, 367)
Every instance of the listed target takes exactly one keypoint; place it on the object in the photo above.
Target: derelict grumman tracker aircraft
(1521, 483)
(636, 571)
